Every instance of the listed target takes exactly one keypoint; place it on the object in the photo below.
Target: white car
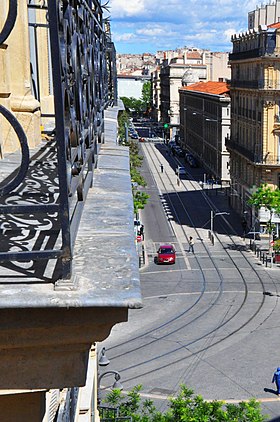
(180, 171)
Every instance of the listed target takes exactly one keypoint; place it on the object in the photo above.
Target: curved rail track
(230, 323)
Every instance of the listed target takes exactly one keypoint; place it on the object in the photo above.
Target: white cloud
(229, 32)
(124, 37)
(150, 31)
(146, 24)
(126, 8)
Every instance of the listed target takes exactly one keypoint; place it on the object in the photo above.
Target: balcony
(250, 54)
(261, 84)
(68, 263)
(257, 159)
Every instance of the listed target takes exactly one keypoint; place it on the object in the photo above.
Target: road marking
(167, 397)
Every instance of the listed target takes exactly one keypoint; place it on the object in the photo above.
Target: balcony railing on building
(41, 201)
(263, 159)
(260, 84)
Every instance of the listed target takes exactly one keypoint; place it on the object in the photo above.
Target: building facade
(183, 67)
(205, 126)
(254, 144)
(265, 14)
(171, 75)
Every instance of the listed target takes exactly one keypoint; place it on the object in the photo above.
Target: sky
(146, 26)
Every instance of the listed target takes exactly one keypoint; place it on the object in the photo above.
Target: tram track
(153, 157)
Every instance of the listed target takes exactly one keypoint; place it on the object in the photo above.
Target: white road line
(167, 397)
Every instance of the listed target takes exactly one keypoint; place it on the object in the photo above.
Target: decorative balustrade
(267, 159)
(42, 201)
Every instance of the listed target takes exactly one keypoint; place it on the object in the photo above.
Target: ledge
(47, 327)
(105, 263)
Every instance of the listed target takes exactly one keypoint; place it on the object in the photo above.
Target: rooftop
(210, 87)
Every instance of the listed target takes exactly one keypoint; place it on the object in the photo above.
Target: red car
(166, 254)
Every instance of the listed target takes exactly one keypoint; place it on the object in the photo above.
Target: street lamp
(102, 358)
(117, 383)
(212, 216)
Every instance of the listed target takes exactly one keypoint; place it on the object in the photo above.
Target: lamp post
(212, 216)
(117, 383)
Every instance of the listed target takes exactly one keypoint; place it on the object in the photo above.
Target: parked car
(191, 160)
(166, 254)
(180, 152)
(180, 171)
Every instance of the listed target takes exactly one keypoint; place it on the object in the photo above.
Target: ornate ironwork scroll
(10, 21)
(12, 184)
(40, 219)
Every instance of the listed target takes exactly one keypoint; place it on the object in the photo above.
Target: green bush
(186, 407)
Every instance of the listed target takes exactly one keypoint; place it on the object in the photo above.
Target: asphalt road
(211, 321)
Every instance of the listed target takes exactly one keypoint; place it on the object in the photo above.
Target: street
(211, 320)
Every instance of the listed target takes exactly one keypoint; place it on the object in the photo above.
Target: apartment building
(155, 89)
(254, 144)
(205, 126)
(183, 67)
(171, 75)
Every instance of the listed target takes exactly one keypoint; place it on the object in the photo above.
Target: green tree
(140, 198)
(123, 120)
(134, 105)
(186, 407)
(265, 197)
(146, 95)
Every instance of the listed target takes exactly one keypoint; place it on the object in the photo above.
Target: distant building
(218, 66)
(264, 15)
(205, 126)
(130, 63)
(131, 85)
(183, 67)
(155, 82)
(171, 75)
(255, 122)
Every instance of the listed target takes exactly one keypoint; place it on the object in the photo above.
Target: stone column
(15, 84)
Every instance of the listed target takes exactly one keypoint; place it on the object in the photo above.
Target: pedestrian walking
(276, 379)
(191, 245)
(161, 168)
(141, 231)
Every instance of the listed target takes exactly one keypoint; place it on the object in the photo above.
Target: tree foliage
(265, 197)
(186, 407)
(146, 95)
(140, 198)
(136, 105)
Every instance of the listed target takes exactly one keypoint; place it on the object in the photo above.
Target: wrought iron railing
(42, 201)
(266, 159)
(110, 414)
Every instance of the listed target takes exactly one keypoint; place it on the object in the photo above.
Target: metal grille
(41, 202)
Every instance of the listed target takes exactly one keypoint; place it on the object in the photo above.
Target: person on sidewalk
(161, 168)
(191, 244)
(276, 379)
(141, 231)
